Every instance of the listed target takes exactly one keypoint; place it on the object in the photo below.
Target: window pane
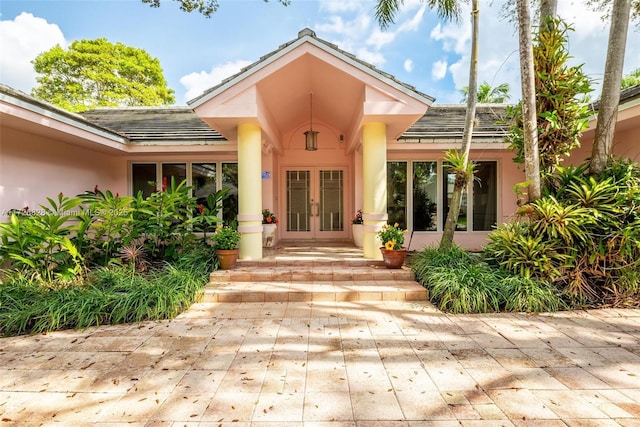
(177, 171)
(331, 195)
(203, 181)
(448, 183)
(143, 177)
(298, 203)
(230, 204)
(425, 196)
(485, 201)
(397, 193)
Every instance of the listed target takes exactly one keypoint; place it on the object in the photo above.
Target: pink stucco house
(309, 131)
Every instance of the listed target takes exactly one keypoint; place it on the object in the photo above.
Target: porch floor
(313, 271)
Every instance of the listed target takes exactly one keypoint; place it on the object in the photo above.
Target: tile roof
(441, 123)
(155, 124)
(445, 123)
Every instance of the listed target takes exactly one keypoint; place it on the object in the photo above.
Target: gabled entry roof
(274, 92)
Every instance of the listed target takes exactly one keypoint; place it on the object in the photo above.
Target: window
(427, 194)
(485, 196)
(397, 193)
(143, 178)
(203, 178)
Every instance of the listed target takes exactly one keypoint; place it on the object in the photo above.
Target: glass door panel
(298, 201)
(331, 208)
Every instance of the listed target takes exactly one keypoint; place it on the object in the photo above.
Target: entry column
(374, 186)
(250, 191)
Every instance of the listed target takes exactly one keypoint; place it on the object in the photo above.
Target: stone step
(306, 291)
(340, 273)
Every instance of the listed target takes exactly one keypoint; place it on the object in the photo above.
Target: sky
(197, 52)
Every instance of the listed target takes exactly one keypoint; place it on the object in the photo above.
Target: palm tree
(529, 115)
(488, 94)
(610, 97)
(385, 12)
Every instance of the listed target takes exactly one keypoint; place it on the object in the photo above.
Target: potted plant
(226, 239)
(269, 227)
(392, 238)
(356, 229)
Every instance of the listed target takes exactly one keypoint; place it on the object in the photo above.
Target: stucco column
(374, 186)
(250, 191)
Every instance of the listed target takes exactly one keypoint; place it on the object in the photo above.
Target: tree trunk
(610, 97)
(548, 9)
(529, 119)
(470, 116)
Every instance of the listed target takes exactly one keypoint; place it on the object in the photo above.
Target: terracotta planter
(393, 258)
(358, 234)
(227, 258)
(268, 235)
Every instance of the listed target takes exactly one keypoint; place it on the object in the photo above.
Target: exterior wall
(33, 168)
(508, 176)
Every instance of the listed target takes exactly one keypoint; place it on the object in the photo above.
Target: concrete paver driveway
(330, 364)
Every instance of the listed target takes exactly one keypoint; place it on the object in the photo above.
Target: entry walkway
(330, 364)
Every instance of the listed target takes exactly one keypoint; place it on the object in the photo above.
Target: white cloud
(339, 6)
(413, 24)
(196, 83)
(378, 38)
(408, 65)
(454, 38)
(22, 39)
(439, 70)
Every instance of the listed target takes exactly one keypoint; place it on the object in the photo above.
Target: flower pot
(358, 234)
(393, 258)
(268, 235)
(227, 258)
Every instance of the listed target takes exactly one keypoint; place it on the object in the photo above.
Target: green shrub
(110, 295)
(527, 294)
(468, 288)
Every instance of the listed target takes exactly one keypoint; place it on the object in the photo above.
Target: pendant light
(311, 136)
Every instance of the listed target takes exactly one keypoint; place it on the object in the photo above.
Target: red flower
(269, 219)
(26, 209)
(164, 183)
(95, 189)
(201, 208)
(117, 194)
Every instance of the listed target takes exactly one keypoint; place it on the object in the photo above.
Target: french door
(314, 203)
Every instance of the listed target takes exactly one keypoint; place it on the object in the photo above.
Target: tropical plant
(165, 220)
(583, 236)
(392, 236)
(488, 94)
(38, 239)
(458, 163)
(105, 224)
(561, 99)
